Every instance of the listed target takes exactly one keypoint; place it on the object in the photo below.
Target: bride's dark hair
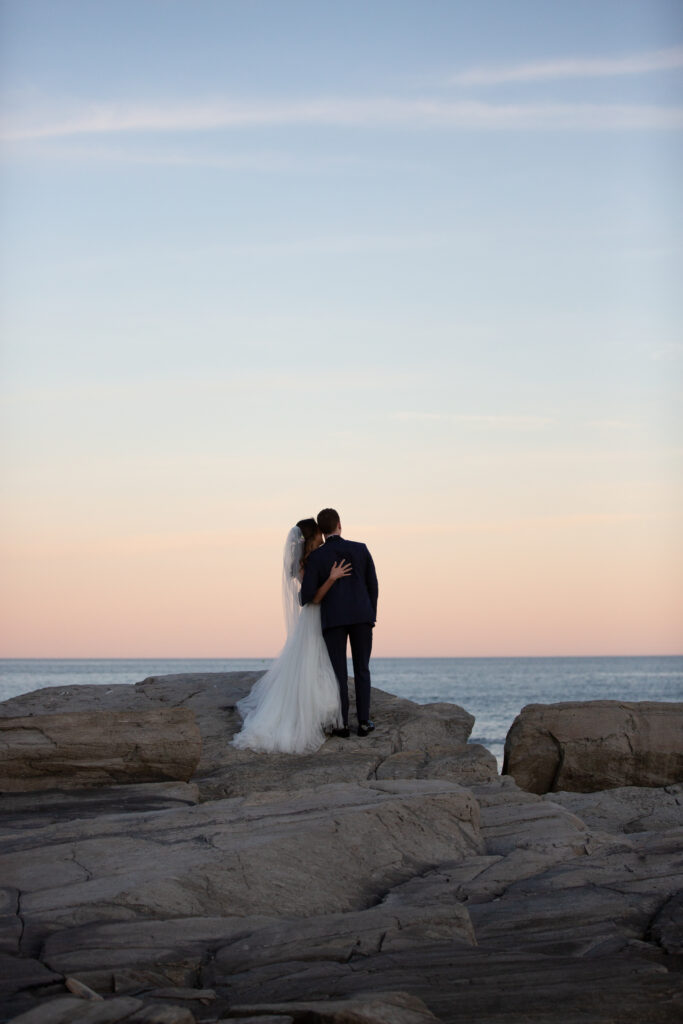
(310, 531)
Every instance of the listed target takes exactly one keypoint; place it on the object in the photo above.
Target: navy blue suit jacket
(352, 598)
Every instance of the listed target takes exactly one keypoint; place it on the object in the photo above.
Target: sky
(418, 260)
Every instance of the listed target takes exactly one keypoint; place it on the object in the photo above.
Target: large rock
(426, 733)
(74, 750)
(297, 890)
(333, 848)
(594, 745)
(560, 916)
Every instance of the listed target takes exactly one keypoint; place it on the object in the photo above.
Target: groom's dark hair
(328, 521)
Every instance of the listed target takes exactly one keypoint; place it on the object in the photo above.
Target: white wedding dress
(291, 707)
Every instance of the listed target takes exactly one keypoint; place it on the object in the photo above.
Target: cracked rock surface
(392, 879)
(93, 748)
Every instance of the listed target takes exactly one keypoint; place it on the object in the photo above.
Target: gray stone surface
(380, 1008)
(631, 809)
(667, 925)
(73, 750)
(70, 1010)
(466, 763)
(25, 809)
(270, 853)
(224, 771)
(388, 879)
(584, 746)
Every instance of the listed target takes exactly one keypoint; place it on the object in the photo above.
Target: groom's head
(328, 521)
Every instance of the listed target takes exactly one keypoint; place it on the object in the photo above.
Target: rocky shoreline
(151, 872)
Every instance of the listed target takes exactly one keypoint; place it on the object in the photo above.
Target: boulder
(585, 746)
(74, 750)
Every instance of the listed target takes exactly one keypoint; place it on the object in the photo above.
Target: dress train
(292, 706)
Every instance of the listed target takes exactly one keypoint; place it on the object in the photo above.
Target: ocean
(494, 690)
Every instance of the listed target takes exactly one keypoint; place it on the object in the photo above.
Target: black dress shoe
(344, 733)
(365, 728)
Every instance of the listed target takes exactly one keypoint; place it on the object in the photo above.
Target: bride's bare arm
(337, 571)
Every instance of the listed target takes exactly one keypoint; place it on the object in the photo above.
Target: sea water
(494, 690)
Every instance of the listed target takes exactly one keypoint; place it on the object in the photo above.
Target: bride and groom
(330, 597)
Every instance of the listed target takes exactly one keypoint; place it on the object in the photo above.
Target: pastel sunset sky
(416, 259)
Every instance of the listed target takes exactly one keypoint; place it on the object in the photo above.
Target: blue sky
(421, 256)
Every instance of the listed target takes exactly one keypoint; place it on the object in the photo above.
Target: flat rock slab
(629, 809)
(333, 848)
(381, 1008)
(426, 907)
(477, 986)
(584, 746)
(27, 810)
(587, 906)
(466, 763)
(74, 750)
(72, 1010)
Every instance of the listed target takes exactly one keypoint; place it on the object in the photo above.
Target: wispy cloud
(224, 115)
(266, 161)
(573, 67)
(92, 151)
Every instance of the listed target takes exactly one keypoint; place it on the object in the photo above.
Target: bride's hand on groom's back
(340, 569)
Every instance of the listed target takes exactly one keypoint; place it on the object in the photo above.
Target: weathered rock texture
(631, 809)
(92, 748)
(385, 880)
(595, 745)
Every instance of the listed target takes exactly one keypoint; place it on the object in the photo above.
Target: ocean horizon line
(379, 657)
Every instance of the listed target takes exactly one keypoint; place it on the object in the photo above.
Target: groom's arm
(371, 581)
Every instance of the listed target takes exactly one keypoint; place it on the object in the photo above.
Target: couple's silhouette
(330, 597)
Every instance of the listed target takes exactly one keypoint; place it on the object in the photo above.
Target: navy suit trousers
(360, 635)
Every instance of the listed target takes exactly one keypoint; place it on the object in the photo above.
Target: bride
(291, 707)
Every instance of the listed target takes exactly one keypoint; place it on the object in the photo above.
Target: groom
(348, 612)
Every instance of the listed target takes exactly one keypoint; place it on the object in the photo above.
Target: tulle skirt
(290, 708)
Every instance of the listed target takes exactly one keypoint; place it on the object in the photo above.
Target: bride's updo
(311, 531)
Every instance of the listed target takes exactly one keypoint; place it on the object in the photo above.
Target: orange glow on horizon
(529, 588)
